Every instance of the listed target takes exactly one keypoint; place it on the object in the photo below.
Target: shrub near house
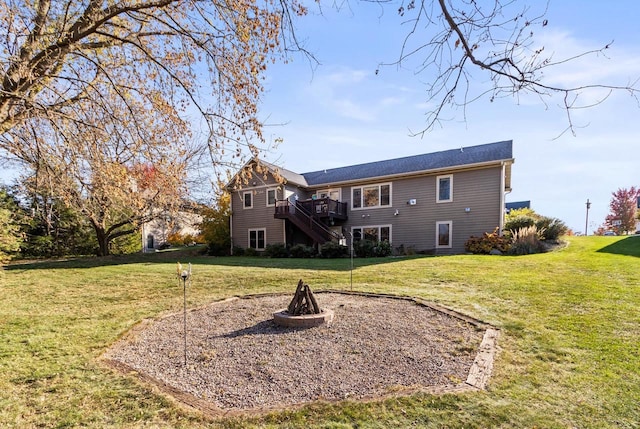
(487, 243)
(525, 232)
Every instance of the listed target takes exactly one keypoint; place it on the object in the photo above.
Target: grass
(569, 356)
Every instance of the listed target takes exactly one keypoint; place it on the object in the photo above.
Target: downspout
(231, 233)
(503, 194)
(284, 231)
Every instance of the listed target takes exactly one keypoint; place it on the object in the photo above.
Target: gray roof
(288, 175)
(414, 164)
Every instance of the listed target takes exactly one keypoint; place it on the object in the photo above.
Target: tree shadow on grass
(629, 246)
(194, 256)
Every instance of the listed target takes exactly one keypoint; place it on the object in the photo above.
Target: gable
(258, 173)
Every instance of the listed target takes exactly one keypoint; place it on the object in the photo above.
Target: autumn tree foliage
(215, 226)
(114, 173)
(92, 89)
(623, 210)
(59, 57)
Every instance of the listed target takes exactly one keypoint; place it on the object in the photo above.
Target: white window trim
(328, 191)
(275, 190)
(379, 185)
(444, 176)
(444, 222)
(375, 226)
(249, 238)
(244, 199)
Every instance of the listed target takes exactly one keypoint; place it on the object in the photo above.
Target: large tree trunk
(103, 240)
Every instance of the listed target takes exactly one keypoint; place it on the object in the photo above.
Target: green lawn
(569, 351)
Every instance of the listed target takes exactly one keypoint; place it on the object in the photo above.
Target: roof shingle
(413, 164)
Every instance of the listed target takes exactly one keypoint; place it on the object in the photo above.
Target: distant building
(155, 233)
(517, 205)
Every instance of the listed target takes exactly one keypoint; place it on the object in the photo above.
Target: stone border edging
(477, 378)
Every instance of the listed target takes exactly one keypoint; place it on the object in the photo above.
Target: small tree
(624, 208)
(215, 226)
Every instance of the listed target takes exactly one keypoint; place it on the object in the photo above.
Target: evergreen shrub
(276, 250)
(302, 251)
(332, 249)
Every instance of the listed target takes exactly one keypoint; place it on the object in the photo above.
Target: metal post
(351, 255)
(184, 288)
(586, 223)
(184, 275)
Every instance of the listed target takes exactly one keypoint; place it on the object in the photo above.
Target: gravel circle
(239, 359)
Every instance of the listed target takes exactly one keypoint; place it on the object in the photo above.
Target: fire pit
(303, 310)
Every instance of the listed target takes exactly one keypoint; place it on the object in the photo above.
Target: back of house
(430, 203)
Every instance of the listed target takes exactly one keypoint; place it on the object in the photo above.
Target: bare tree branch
(495, 37)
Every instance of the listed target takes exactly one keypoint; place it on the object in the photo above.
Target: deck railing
(300, 214)
(325, 207)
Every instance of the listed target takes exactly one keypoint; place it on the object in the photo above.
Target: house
(432, 202)
(156, 232)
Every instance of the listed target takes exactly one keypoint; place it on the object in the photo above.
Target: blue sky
(341, 113)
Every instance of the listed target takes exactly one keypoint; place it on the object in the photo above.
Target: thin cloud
(353, 94)
(350, 109)
(616, 65)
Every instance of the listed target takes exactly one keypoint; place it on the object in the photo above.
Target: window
(247, 200)
(443, 234)
(357, 198)
(444, 191)
(333, 194)
(372, 233)
(257, 238)
(271, 197)
(371, 196)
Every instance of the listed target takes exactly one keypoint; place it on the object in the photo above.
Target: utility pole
(586, 223)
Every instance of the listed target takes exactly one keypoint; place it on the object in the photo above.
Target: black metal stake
(184, 288)
(352, 267)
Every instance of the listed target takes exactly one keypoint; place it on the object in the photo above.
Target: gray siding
(260, 216)
(415, 225)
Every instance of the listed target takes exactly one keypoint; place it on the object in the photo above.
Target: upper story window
(271, 197)
(247, 200)
(444, 190)
(371, 196)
